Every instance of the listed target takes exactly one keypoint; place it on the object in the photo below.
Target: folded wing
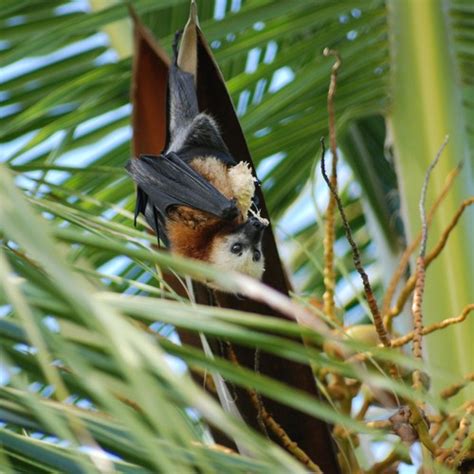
(166, 182)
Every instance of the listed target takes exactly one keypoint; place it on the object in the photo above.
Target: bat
(198, 199)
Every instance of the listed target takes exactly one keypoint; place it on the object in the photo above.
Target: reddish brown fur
(192, 232)
(196, 242)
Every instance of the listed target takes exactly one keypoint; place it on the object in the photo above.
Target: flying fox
(198, 199)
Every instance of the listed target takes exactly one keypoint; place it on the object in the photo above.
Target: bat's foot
(177, 38)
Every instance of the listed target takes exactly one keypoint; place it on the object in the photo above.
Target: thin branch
(445, 235)
(456, 388)
(364, 408)
(346, 442)
(410, 284)
(369, 294)
(405, 258)
(379, 425)
(329, 229)
(462, 433)
(421, 205)
(401, 341)
(381, 467)
(465, 454)
(417, 306)
(452, 424)
(409, 423)
(421, 425)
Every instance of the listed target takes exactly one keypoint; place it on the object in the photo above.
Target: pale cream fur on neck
(243, 185)
(234, 182)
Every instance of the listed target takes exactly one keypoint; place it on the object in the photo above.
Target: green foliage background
(69, 320)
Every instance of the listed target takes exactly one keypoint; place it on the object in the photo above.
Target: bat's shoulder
(215, 171)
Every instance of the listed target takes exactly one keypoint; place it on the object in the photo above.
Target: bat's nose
(253, 229)
(257, 223)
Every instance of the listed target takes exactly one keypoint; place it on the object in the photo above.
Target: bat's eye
(236, 248)
(256, 255)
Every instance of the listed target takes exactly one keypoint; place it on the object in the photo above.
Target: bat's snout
(257, 223)
(253, 229)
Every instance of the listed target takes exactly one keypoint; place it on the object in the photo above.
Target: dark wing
(182, 101)
(166, 181)
(191, 133)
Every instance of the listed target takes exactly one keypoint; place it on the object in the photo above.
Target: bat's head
(241, 249)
